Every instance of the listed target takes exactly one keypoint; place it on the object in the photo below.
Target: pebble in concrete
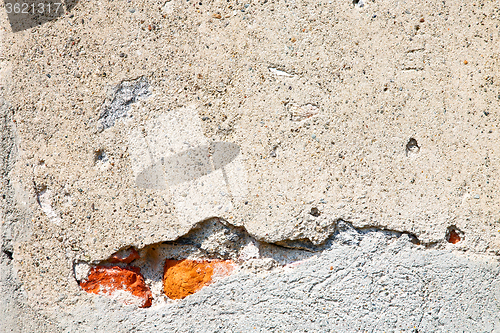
(453, 236)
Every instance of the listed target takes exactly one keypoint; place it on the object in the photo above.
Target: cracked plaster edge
(17, 315)
(293, 242)
(15, 226)
(363, 233)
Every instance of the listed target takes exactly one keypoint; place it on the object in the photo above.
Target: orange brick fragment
(453, 237)
(185, 277)
(125, 256)
(125, 284)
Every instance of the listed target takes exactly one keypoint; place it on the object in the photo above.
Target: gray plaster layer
(123, 96)
(365, 281)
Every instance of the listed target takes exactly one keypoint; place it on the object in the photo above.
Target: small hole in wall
(315, 212)
(9, 254)
(100, 156)
(412, 146)
(454, 235)
(414, 239)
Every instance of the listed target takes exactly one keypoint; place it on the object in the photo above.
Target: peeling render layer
(211, 251)
(364, 280)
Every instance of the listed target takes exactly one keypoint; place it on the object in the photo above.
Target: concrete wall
(306, 166)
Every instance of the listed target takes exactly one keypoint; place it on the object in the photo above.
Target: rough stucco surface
(128, 123)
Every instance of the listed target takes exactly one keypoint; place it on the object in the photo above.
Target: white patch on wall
(250, 251)
(168, 7)
(45, 201)
(124, 296)
(279, 72)
(302, 112)
(82, 271)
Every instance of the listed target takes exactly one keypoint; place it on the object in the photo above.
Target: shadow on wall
(27, 14)
(188, 165)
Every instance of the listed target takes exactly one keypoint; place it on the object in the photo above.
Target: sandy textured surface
(126, 123)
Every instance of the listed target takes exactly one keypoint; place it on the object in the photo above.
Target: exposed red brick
(126, 284)
(185, 277)
(124, 256)
(453, 237)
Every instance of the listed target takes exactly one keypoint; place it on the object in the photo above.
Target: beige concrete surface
(132, 121)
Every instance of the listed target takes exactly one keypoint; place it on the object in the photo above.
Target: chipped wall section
(125, 284)
(124, 94)
(211, 251)
(364, 281)
(361, 279)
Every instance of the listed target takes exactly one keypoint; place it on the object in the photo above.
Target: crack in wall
(215, 248)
